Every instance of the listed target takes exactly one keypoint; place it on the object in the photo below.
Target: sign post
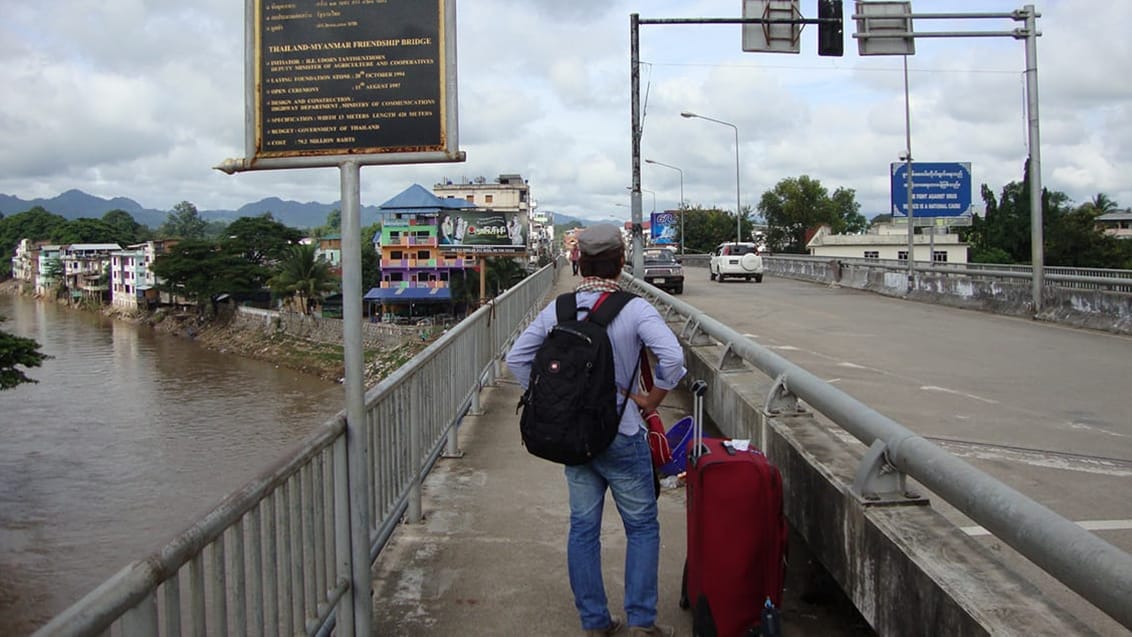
(939, 189)
(346, 85)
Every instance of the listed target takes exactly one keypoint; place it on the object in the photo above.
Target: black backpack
(570, 407)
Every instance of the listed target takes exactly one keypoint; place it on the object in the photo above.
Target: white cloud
(141, 98)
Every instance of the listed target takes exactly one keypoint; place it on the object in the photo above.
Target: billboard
(664, 228)
(352, 78)
(482, 232)
(939, 189)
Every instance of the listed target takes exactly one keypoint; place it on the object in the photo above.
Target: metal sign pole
(908, 179)
(357, 450)
(1037, 256)
(635, 197)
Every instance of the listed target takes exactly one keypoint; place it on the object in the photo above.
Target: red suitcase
(736, 535)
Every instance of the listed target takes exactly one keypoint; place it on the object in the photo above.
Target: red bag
(658, 442)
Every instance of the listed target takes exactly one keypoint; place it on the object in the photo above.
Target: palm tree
(1099, 204)
(304, 276)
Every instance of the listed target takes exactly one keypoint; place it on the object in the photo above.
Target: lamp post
(653, 192)
(738, 211)
(649, 161)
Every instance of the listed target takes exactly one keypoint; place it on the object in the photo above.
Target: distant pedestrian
(575, 255)
(625, 467)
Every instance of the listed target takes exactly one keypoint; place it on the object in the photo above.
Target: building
(132, 282)
(415, 269)
(509, 193)
(1116, 224)
(330, 250)
(86, 269)
(49, 269)
(888, 241)
(25, 261)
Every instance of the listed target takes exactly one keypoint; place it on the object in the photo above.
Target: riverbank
(324, 360)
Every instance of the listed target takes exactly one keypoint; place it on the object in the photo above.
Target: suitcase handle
(699, 388)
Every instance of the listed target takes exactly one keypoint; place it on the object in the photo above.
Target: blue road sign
(938, 189)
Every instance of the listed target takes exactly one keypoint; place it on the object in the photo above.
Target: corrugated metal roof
(408, 294)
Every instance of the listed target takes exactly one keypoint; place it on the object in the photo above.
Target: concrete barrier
(1097, 309)
(908, 570)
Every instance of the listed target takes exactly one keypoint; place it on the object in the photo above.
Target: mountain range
(74, 204)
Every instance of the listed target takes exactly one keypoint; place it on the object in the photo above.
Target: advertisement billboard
(483, 232)
(664, 228)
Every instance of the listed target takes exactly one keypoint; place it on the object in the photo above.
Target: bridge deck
(490, 556)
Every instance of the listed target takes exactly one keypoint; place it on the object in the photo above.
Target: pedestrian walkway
(490, 556)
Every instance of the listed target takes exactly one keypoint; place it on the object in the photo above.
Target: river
(128, 437)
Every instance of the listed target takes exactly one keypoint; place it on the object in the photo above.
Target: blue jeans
(626, 469)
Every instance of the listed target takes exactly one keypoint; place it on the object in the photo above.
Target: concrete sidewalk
(490, 556)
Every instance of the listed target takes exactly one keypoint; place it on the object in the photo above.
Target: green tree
(184, 222)
(304, 276)
(127, 231)
(35, 224)
(261, 240)
(1099, 204)
(53, 272)
(503, 273)
(85, 230)
(17, 352)
(371, 266)
(798, 204)
(200, 270)
(847, 212)
(705, 228)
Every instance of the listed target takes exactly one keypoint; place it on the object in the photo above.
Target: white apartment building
(132, 282)
(25, 261)
(888, 241)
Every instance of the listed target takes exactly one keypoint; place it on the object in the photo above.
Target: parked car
(736, 260)
(664, 270)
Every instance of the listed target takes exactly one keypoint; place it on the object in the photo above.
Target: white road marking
(1036, 458)
(1090, 428)
(959, 393)
(1088, 525)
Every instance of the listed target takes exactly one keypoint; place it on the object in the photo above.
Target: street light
(648, 191)
(649, 161)
(738, 216)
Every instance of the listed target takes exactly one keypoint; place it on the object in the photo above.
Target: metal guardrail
(1098, 571)
(274, 557)
(1055, 276)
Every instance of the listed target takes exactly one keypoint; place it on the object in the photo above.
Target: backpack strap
(608, 310)
(566, 307)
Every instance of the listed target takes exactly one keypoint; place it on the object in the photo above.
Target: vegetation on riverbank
(321, 359)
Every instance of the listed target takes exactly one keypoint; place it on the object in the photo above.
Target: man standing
(625, 468)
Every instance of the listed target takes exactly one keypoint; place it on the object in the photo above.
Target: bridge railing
(1056, 276)
(1098, 571)
(274, 556)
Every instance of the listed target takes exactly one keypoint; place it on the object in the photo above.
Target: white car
(736, 260)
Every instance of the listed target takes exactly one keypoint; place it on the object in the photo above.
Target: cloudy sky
(141, 98)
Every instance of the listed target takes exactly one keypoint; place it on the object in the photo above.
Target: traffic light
(831, 35)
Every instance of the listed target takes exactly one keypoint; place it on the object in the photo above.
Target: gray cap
(600, 238)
